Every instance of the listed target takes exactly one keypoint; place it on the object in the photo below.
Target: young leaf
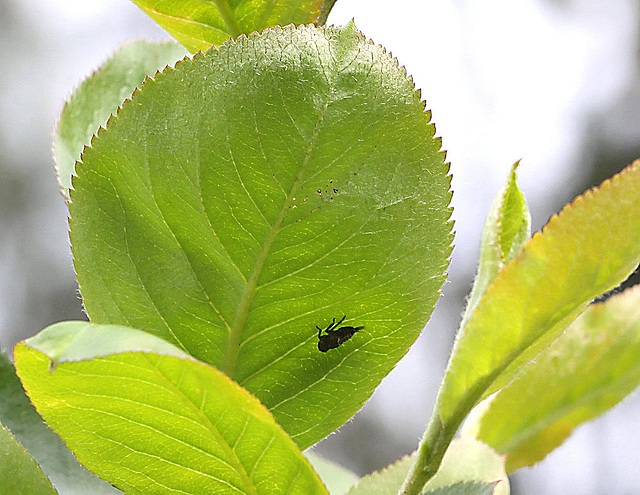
(19, 473)
(17, 413)
(101, 94)
(466, 460)
(505, 232)
(593, 365)
(198, 24)
(464, 488)
(259, 191)
(384, 482)
(588, 249)
(156, 423)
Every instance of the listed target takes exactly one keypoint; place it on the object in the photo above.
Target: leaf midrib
(232, 353)
(229, 17)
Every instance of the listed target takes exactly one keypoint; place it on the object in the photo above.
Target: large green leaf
(157, 423)
(588, 249)
(19, 474)
(19, 416)
(257, 191)
(469, 466)
(198, 24)
(101, 94)
(593, 365)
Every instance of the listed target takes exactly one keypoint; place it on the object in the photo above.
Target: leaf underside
(259, 191)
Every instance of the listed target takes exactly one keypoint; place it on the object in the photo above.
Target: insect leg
(336, 325)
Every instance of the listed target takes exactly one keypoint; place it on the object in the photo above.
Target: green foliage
(555, 276)
(19, 474)
(157, 423)
(592, 366)
(263, 189)
(198, 24)
(531, 300)
(234, 232)
(101, 94)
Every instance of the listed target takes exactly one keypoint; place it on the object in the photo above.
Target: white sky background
(506, 80)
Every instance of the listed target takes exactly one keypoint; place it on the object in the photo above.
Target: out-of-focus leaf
(58, 463)
(19, 473)
(337, 478)
(387, 481)
(587, 370)
(157, 423)
(101, 94)
(586, 250)
(464, 488)
(251, 194)
(466, 460)
(198, 24)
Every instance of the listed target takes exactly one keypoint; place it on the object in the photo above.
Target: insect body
(334, 336)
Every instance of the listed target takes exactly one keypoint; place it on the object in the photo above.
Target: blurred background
(555, 83)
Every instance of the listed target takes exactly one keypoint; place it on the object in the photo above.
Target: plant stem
(433, 445)
(436, 440)
(325, 8)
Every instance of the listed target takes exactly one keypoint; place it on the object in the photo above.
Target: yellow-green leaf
(151, 422)
(18, 415)
(593, 365)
